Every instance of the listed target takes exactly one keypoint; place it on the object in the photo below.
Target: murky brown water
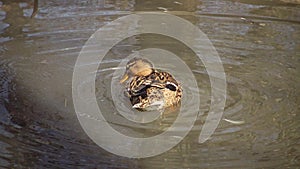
(258, 42)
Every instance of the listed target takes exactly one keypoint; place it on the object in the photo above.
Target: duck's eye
(171, 87)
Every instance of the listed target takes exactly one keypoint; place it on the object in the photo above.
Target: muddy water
(258, 42)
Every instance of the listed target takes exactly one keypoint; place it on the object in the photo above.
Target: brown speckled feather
(148, 88)
(158, 87)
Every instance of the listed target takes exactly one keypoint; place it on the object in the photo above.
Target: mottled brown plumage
(149, 89)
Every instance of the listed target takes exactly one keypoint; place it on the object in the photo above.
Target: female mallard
(149, 89)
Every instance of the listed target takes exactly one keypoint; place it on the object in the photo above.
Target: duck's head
(137, 67)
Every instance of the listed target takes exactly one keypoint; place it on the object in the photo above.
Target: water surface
(258, 42)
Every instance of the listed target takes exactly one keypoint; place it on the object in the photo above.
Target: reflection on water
(258, 42)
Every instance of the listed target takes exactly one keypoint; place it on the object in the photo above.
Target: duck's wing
(163, 80)
(140, 84)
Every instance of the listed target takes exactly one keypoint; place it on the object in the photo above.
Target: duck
(150, 89)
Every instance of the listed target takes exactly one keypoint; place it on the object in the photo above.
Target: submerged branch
(35, 8)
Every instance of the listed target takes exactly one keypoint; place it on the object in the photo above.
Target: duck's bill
(124, 78)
